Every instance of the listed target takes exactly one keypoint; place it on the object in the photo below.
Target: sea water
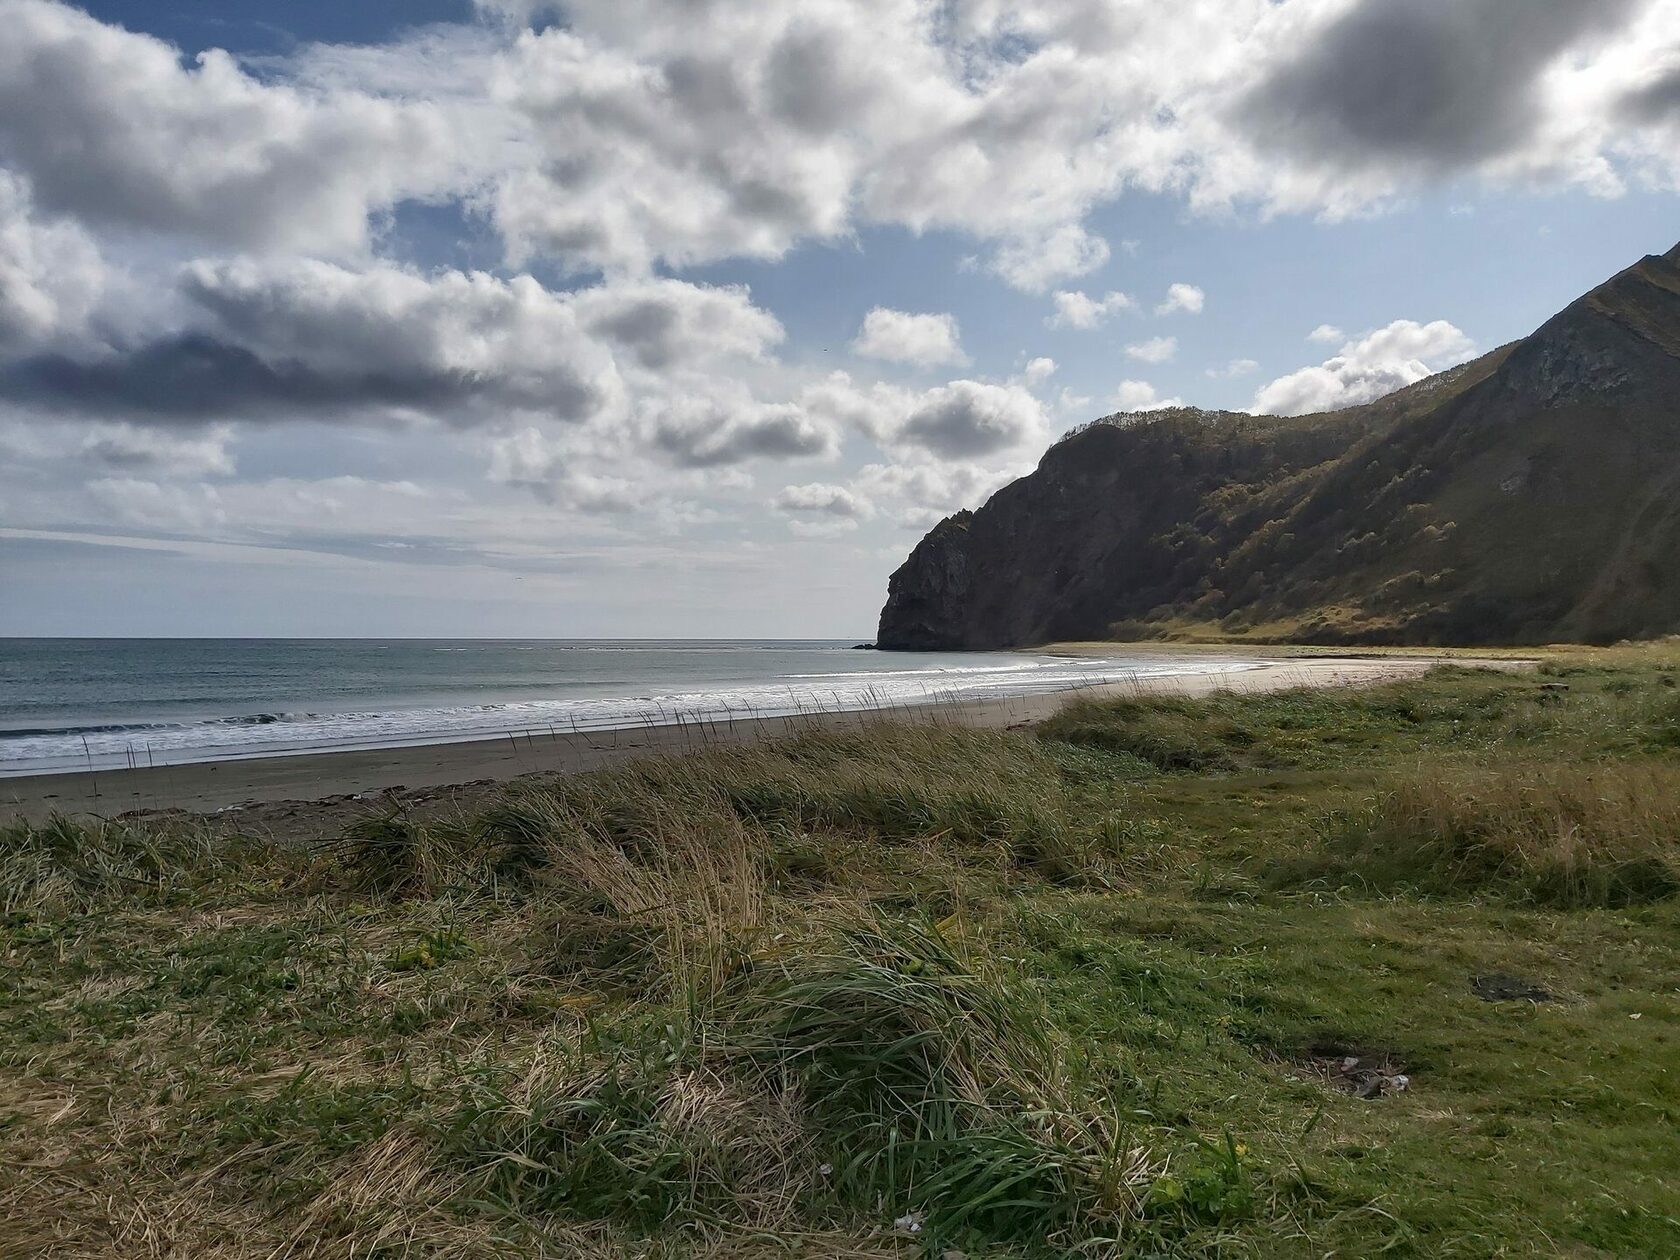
(76, 704)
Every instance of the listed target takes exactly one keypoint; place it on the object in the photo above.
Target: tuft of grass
(395, 855)
(863, 1070)
(70, 865)
(1166, 735)
(1556, 835)
(932, 1086)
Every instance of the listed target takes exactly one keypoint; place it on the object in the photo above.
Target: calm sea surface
(102, 703)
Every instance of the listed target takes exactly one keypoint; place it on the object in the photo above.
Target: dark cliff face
(1531, 495)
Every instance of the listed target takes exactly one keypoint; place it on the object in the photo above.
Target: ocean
(78, 704)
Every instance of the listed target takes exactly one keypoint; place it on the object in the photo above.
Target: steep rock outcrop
(1528, 496)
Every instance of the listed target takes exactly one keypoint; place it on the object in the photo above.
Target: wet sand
(292, 793)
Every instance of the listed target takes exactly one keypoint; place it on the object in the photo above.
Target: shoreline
(291, 793)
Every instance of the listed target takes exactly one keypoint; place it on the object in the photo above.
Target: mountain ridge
(1522, 497)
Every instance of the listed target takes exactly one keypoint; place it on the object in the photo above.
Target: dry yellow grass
(1561, 834)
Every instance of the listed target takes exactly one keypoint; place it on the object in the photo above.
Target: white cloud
(927, 492)
(1075, 310)
(1034, 263)
(902, 337)
(51, 273)
(1234, 369)
(644, 132)
(550, 469)
(192, 243)
(963, 419)
(1381, 362)
(1069, 403)
(1327, 334)
(110, 127)
(666, 324)
(1155, 350)
(1038, 371)
(818, 499)
(702, 432)
(201, 453)
(1139, 396)
(278, 338)
(969, 418)
(1182, 299)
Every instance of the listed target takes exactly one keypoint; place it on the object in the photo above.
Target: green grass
(1085, 990)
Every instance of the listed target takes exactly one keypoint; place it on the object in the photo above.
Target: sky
(687, 318)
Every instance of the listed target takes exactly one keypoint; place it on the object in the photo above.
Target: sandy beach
(294, 793)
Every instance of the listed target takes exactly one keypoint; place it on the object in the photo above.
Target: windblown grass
(1557, 835)
(899, 992)
(64, 865)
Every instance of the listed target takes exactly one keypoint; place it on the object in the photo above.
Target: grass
(1079, 991)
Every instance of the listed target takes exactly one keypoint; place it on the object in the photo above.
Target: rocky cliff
(1529, 496)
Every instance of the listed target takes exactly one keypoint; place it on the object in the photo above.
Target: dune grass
(1558, 835)
(1089, 990)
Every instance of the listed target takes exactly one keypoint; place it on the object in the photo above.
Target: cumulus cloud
(188, 243)
(668, 323)
(1656, 101)
(1327, 334)
(1139, 396)
(1034, 263)
(533, 460)
(645, 132)
(1075, 310)
(818, 499)
(102, 448)
(136, 449)
(1154, 350)
(901, 337)
(1410, 82)
(969, 418)
(110, 127)
(710, 432)
(660, 129)
(286, 338)
(51, 273)
(1379, 363)
(1182, 299)
(963, 419)
(1038, 370)
(303, 337)
(1234, 369)
(927, 492)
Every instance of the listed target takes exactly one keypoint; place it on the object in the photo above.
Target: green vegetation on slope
(1352, 973)
(1526, 497)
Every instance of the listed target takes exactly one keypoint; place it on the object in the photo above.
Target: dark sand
(305, 793)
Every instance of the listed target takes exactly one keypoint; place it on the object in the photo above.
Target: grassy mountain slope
(1528, 496)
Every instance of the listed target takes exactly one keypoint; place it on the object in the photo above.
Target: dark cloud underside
(1439, 84)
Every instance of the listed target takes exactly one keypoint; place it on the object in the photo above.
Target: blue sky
(519, 319)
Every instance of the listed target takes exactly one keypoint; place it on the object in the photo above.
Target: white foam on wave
(42, 752)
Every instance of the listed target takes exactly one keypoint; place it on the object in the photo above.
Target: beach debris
(1499, 987)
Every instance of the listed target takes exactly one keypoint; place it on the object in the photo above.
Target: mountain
(1530, 496)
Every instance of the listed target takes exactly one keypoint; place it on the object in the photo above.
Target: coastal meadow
(1325, 972)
